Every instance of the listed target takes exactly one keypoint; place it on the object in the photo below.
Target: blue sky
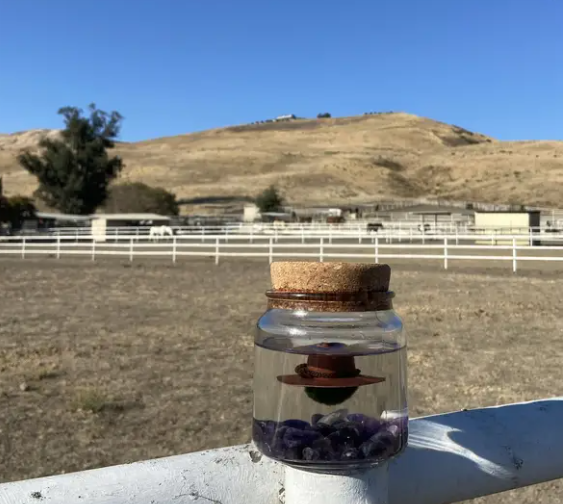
(177, 66)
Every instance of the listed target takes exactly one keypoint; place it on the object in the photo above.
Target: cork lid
(331, 277)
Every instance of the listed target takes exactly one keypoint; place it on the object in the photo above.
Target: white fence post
(174, 249)
(202, 234)
(93, 249)
(367, 487)
(321, 251)
(131, 250)
(252, 234)
(514, 260)
(271, 251)
(445, 253)
(376, 250)
(23, 247)
(58, 246)
(456, 236)
(302, 235)
(216, 251)
(330, 234)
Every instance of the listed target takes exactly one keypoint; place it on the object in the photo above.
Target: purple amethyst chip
(311, 454)
(382, 445)
(350, 454)
(315, 418)
(296, 424)
(394, 430)
(356, 417)
(295, 438)
(323, 429)
(371, 426)
(324, 447)
(351, 433)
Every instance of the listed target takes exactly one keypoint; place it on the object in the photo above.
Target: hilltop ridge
(337, 160)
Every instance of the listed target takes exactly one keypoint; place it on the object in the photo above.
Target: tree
(139, 197)
(269, 200)
(75, 171)
(323, 115)
(15, 210)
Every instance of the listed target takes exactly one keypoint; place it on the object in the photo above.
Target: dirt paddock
(111, 362)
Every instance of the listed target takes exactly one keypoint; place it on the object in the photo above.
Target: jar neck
(363, 301)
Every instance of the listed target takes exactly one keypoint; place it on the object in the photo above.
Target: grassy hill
(341, 160)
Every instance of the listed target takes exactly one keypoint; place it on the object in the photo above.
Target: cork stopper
(332, 277)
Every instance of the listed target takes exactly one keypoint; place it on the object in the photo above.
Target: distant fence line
(401, 229)
(510, 248)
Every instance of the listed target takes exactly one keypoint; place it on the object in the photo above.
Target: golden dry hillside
(342, 160)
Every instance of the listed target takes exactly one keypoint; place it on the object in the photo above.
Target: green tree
(269, 200)
(75, 171)
(141, 198)
(323, 115)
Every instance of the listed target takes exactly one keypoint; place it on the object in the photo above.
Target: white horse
(157, 232)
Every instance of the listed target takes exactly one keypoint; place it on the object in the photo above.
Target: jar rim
(330, 296)
(358, 301)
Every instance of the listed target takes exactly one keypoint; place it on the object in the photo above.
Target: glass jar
(330, 388)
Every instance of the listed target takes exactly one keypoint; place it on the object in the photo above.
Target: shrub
(269, 200)
(324, 115)
(141, 198)
(16, 210)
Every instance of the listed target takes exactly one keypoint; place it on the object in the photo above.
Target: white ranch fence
(450, 457)
(404, 229)
(512, 249)
(414, 232)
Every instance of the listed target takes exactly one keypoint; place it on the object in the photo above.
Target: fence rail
(509, 248)
(404, 229)
(449, 458)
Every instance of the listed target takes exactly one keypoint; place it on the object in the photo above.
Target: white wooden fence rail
(509, 248)
(449, 458)
(402, 231)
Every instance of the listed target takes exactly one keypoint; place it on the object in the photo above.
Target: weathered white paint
(367, 487)
(450, 457)
(220, 476)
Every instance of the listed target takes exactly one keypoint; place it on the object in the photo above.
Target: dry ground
(110, 362)
(333, 161)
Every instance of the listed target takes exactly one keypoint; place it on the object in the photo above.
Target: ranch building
(42, 221)
(507, 223)
(434, 215)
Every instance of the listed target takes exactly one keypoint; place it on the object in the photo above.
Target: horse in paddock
(158, 232)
